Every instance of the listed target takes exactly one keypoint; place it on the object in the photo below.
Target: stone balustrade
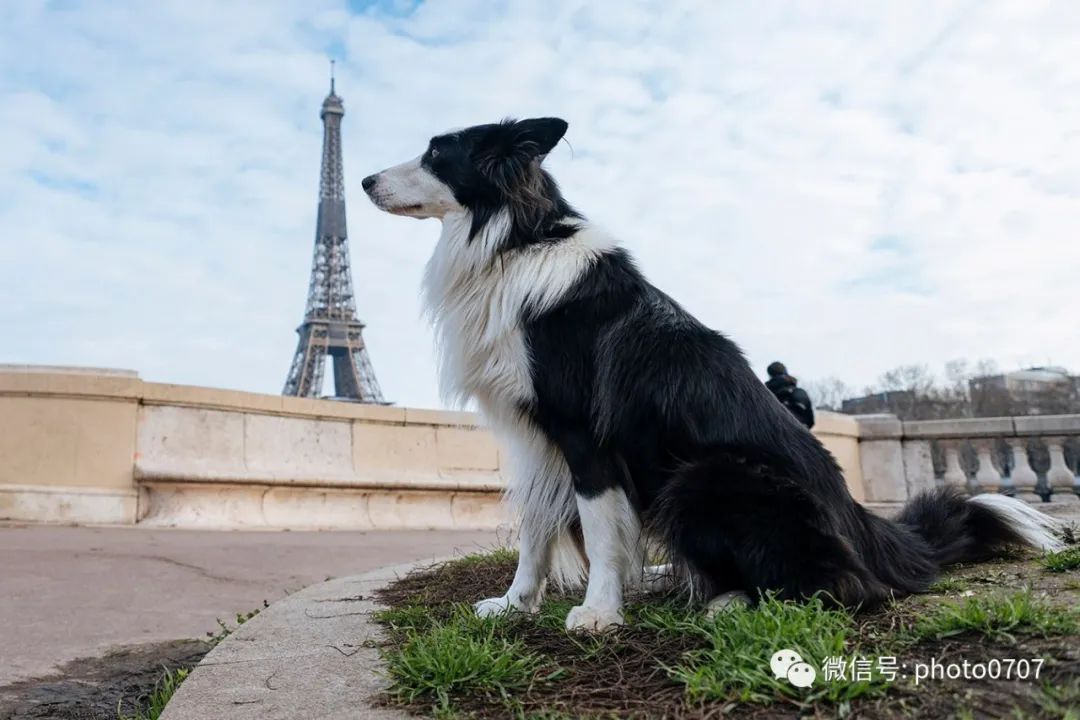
(100, 446)
(1020, 456)
(106, 447)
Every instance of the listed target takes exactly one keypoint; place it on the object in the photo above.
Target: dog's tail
(959, 528)
(739, 518)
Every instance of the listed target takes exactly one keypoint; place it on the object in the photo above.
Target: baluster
(1008, 487)
(987, 478)
(1076, 480)
(1024, 478)
(954, 474)
(1059, 477)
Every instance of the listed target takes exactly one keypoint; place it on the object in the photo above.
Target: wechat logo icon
(789, 664)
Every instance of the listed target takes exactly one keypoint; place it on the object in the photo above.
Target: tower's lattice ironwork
(330, 326)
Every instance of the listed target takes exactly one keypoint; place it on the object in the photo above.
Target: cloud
(848, 188)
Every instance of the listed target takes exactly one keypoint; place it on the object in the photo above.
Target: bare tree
(828, 393)
(979, 389)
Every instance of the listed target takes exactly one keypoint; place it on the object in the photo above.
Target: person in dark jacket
(786, 390)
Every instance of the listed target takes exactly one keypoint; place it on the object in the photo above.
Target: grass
(407, 618)
(949, 585)
(1068, 559)
(492, 557)
(464, 654)
(225, 631)
(672, 660)
(156, 700)
(440, 655)
(734, 664)
(151, 705)
(997, 617)
(1060, 701)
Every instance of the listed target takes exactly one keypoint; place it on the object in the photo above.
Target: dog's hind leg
(727, 601)
(750, 525)
(657, 578)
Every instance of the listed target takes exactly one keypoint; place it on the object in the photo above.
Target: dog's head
(478, 169)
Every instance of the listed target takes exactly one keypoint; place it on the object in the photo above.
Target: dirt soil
(96, 688)
(627, 678)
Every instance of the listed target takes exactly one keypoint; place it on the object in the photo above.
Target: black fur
(638, 393)
(490, 167)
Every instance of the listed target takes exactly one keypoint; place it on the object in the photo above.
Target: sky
(847, 187)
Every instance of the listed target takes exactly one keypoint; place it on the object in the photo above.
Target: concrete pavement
(68, 592)
(314, 654)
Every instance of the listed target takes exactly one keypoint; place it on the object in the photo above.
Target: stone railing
(99, 446)
(1027, 457)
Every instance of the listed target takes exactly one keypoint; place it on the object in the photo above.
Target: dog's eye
(434, 153)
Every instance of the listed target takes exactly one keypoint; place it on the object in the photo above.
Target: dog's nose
(369, 181)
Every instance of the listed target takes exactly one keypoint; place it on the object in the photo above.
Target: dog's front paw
(592, 619)
(503, 605)
(493, 606)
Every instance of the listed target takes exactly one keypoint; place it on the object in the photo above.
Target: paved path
(312, 655)
(68, 592)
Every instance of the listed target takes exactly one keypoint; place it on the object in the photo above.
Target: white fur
(593, 619)
(612, 538)
(727, 601)
(1036, 528)
(541, 491)
(527, 589)
(478, 303)
(410, 189)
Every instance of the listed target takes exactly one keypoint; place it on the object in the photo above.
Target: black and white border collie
(626, 420)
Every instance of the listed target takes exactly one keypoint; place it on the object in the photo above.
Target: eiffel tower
(330, 324)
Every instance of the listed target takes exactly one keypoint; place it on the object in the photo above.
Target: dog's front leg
(610, 526)
(527, 589)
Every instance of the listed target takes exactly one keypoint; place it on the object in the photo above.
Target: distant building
(1032, 381)
(894, 402)
(1031, 391)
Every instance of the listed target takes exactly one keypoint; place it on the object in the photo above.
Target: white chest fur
(478, 302)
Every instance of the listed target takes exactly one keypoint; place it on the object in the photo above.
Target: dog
(629, 422)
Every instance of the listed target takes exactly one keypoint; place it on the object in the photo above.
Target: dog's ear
(539, 135)
(510, 155)
(520, 141)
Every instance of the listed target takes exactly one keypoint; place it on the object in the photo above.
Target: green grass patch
(740, 642)
(225, 631)
(497, 556)
(948, 585)
(672, 660)
(1068, 559)
(405, 619)
(998, 617)
(462, 655)
(1060, 701)
(153, 704)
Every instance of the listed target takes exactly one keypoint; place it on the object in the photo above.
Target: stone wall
(67, 440)
(94, 446)
(897, 457)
